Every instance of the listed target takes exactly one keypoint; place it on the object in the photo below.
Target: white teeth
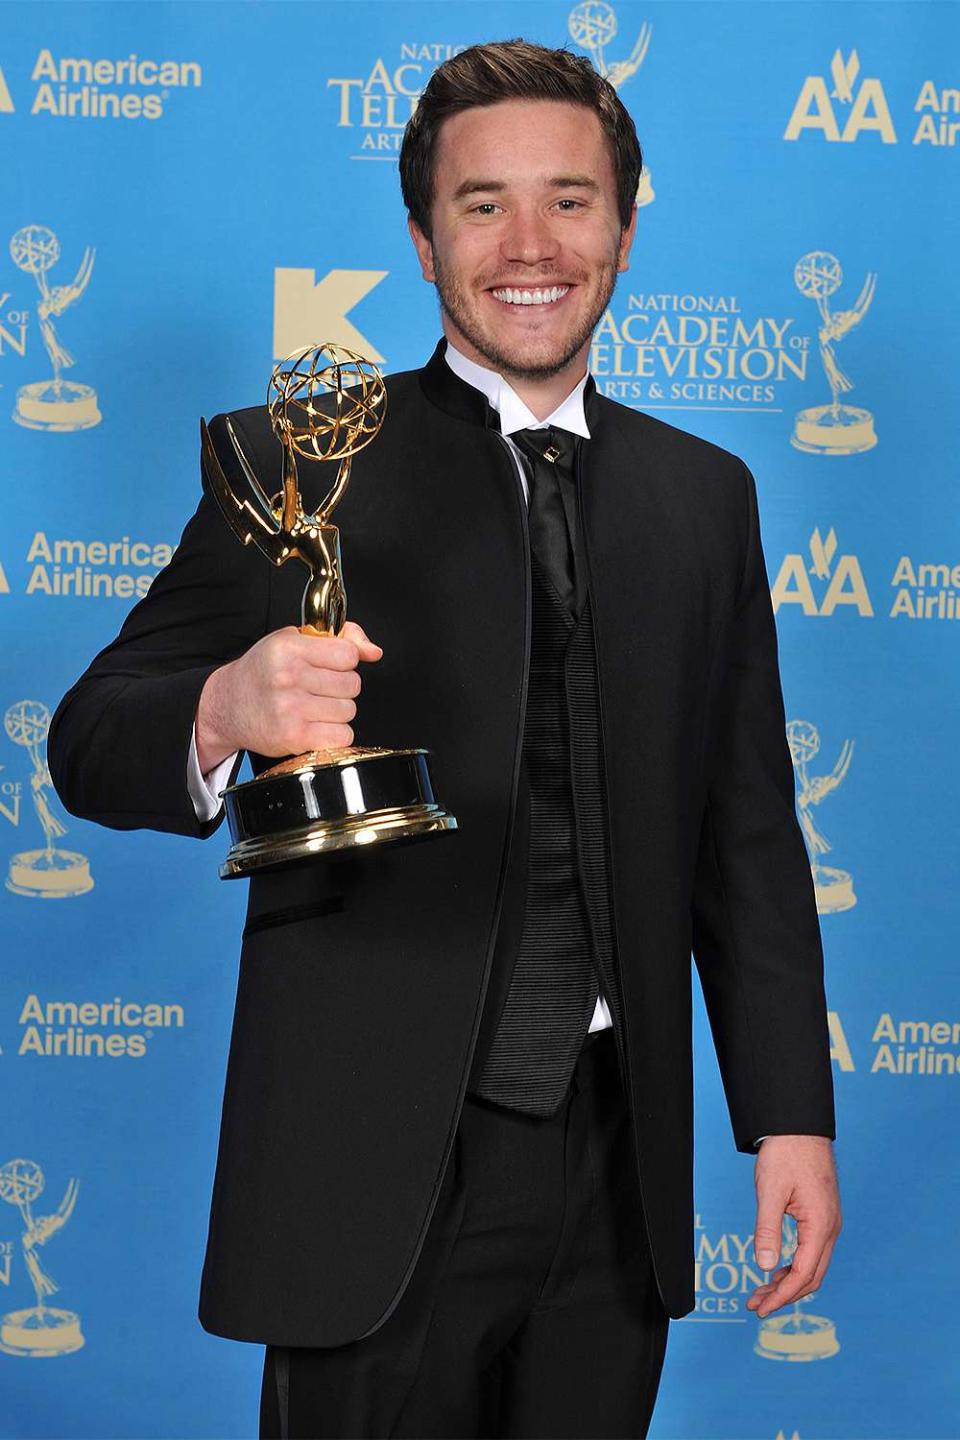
(530, 297)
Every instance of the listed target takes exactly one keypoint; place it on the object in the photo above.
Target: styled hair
(513, 70)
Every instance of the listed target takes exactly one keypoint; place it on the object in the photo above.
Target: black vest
(560, 843)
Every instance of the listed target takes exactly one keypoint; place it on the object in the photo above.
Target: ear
(626, 240)
(423, 248)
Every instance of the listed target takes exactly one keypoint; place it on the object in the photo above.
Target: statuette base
(47, 405)
(327, 801)
(797, 1338)
(40, 1333)
(833, 889)
(823, 430)
(49, 875)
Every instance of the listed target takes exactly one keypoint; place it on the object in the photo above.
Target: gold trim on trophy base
(343, 798)
(823, 430)
(40, 1333)
(46, 875)
(268, 851)
(336, 755)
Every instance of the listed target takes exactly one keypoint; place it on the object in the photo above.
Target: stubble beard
(452, 301)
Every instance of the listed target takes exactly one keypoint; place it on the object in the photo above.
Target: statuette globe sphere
(34, 249)
(326, 402)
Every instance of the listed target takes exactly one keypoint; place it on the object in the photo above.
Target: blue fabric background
(283, 157)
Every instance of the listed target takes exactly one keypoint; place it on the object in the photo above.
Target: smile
(510, 296)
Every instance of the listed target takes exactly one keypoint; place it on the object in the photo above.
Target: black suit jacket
(363, 979)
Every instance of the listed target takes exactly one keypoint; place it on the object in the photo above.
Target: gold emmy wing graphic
(833, 887)
(47, 874)
(326, 403)
(55, 404)
(645, 191)
(41, 1330)
(592, 25)
(834, 429)
(797, 1335)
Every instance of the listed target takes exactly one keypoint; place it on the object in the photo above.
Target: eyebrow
(496, 187)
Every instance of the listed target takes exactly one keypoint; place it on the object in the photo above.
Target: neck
(540, 395)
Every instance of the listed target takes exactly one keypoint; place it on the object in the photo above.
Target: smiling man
(523, 241)
(454, 1183)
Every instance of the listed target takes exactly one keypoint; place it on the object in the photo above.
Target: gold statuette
(326, 403)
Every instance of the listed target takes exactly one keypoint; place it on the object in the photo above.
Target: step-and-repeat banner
(189, 191)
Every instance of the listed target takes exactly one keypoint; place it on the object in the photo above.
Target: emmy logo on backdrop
(592, 25)
(833, 887)
(834, 429)
(48, 874)
(55, 404)
(797, 1335)
(40, 1330)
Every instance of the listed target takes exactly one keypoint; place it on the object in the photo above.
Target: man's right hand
(288, 693)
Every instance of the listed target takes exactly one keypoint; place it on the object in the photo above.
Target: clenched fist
(288, 693)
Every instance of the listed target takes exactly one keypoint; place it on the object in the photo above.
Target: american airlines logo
(839, 579)
(865, 104)
(847, 105)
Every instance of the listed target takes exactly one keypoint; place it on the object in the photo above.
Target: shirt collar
(514, 414)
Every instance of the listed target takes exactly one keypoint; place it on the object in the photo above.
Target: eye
(573, 204)
(486, 207)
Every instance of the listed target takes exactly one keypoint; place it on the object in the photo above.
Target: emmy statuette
(325, 403)
(41, 1330)
(50, 873)
(837, 428)
(56, 404)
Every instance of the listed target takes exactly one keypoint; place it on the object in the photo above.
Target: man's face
(526, 241)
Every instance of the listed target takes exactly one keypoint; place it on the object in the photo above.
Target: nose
(529, 238)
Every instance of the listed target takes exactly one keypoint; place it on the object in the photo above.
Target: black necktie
(550, 456)
(553, 988)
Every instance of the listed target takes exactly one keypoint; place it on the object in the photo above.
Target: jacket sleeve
(756, 935)
(120, 737)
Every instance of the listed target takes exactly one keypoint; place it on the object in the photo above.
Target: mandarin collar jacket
(362, 979)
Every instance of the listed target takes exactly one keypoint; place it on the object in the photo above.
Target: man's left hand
(794, 1175)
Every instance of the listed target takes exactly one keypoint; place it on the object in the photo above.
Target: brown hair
(513, 70)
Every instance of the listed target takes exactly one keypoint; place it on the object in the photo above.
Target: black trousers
(532, 1310)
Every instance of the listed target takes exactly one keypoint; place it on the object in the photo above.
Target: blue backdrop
(190, 191)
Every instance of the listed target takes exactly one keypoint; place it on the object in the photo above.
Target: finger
(776, 1276)
(768, 1231)
(800, 1276)
(821, 1269)
(330, 652)
(758, 1294)
(369, 649)
(325, 736)
(316, 680)
(330, 710)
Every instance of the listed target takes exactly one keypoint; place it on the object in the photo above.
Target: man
(453, 1190)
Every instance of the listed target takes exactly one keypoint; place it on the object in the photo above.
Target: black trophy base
(329, 800)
